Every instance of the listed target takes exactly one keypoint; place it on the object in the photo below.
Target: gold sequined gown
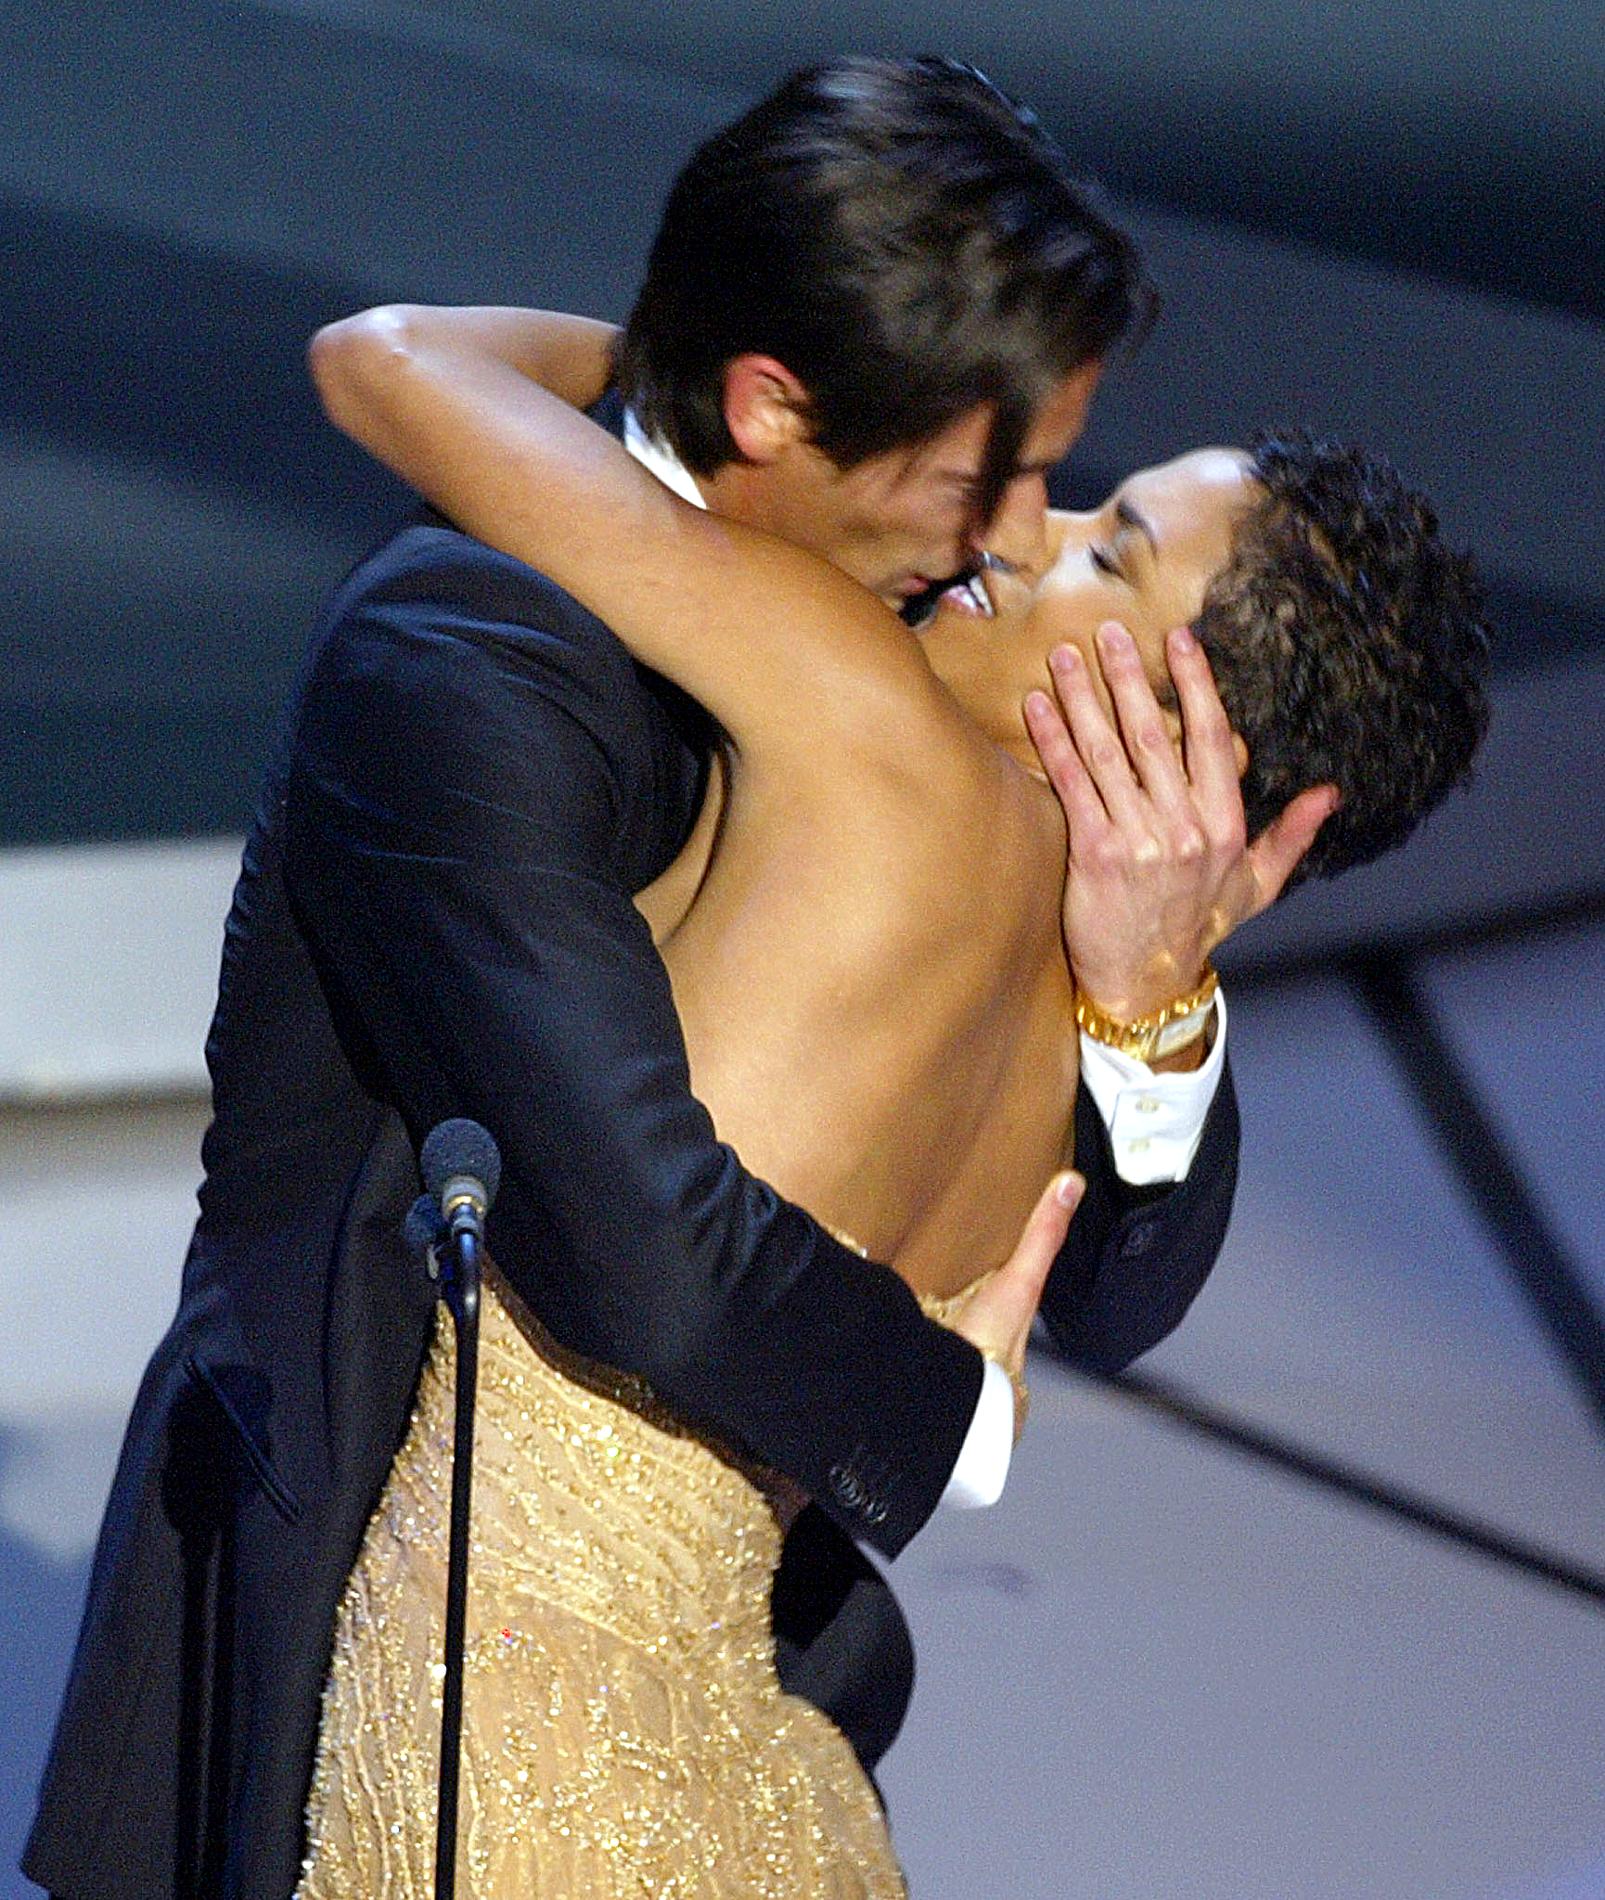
(624, 1730)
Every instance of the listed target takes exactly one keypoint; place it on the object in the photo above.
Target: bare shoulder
(858, 712)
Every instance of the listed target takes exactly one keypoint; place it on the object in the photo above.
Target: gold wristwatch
(1162, 1032)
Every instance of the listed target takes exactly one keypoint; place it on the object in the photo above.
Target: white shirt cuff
(1155, 1121)
(983, 1462)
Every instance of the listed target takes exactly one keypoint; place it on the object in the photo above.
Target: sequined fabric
(624, 1730)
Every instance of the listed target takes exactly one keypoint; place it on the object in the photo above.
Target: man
(434, 918)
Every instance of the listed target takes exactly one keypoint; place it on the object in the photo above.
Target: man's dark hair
(1349, 647)
(907, 240)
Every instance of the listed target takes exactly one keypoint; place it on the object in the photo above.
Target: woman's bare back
(875, 999)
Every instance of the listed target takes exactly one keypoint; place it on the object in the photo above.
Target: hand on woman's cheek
(1160, 868)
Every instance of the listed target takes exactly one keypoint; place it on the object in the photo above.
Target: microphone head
(459, 1147)
(424, 1227)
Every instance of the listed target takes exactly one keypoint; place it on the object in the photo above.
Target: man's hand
(1160, 867)
(997, 1316)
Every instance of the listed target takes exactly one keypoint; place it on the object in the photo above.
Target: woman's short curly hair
(1349, 647)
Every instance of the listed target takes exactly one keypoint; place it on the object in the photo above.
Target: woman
(863, 936)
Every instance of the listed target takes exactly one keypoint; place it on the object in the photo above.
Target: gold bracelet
(1160, 1033)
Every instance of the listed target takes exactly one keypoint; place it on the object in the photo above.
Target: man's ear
(766, 408)
(1239, 752)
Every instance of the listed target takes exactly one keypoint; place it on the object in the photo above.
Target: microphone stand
(461, 1169)
(459, 1256)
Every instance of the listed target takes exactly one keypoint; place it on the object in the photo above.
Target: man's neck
(741, 492)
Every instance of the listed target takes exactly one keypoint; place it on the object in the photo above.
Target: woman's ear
(766, 408)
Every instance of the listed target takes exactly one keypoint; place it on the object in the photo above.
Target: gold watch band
(1160, 1033)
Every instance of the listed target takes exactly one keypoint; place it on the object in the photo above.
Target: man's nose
(1017, 532)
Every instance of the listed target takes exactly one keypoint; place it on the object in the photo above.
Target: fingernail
(1113, 639)
(1183, 640)
(1065, 659)
(1067, 1189)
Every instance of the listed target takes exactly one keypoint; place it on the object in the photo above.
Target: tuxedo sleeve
(471, 774)
(1136, 1257)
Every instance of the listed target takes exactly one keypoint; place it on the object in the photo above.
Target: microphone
(462, 1169)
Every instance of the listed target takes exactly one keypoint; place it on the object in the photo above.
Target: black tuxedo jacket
(433, 918)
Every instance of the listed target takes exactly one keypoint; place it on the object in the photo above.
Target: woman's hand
(997, 1316)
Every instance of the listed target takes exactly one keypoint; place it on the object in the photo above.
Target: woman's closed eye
(1103, 559)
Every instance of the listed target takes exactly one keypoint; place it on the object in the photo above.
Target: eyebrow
(1128, 517)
